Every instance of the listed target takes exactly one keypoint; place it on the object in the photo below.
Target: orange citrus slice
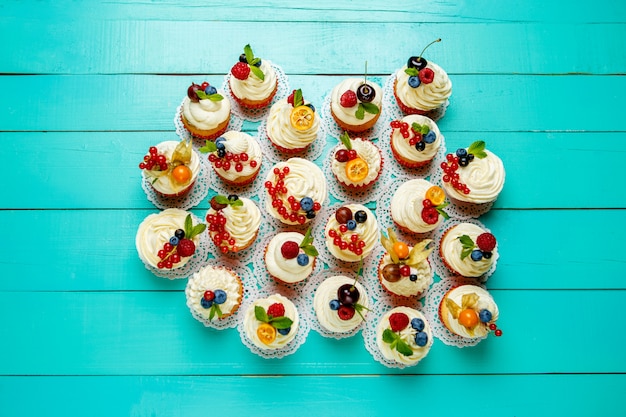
(356, 169)
(435, 195)
(302, 117)
(266, 333)
(468, 318)
(181, 174)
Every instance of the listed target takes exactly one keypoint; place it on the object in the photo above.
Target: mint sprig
(298, 100)
(252, 61)
(468, 245)
(477, 149)
(208, 147)
(396, 342)
(213, 97)
(418, 128)
(282, 322)
(370, 108)
(440, 208)
(412, 72)
(215, 309)
(191, 230)
(225, 200)
(345, 139)
(307, 244)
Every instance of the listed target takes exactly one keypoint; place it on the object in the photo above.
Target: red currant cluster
(347, 223)
(404, 128)
(230, 160)
(495, 329)
(450, 175)
(219, 234)
(176, 248)
(290, 209)
(153, 160)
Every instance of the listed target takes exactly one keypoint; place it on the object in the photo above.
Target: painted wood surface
(84, 90)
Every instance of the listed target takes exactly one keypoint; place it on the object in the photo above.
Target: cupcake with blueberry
(415, 140)
(404, 336)
(421, 86)
(171, 168)
(404, 270)
(205, 113)
(290, 256)
(271, 323)
(418, 206)
(355, 162)
(355, 104)
(253, 82)
(296, 190)
(468, 250)
(351, 232)
(341, 304)
(235, 157)
(469, 311)
(213, 294)
(233, 222)
(292, 124)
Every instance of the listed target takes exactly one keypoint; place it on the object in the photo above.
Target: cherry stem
(365, 81)
(419, 58)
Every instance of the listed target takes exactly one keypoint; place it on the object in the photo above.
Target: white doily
(235, 123)
(460, 209)
(395, 111)
(256, 115)
(311, 153)
(197, 193)
(250, 292)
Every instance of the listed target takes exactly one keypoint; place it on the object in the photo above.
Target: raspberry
(276, 310)
(348, 99)
(486, 242)
(289, 249)
(426, 75)
(430, 215)
(398, 321)
(345, 312)
(186, 247)
(240, 71)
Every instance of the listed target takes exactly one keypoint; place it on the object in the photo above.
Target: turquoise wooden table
(86, 89)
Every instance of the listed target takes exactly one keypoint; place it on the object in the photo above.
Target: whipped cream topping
(485, 301)
(407, 205)
(426, 96)
(252, 88)
(242, 222)
(251, 324)
(405, 286)
(367, 232)
(451, 248)
(484, 177)
(329, 318)
(164, 183)
(287, 270)
(347, 114)
(365, 150)
(238, 143)
(407, 335)
(213, 278)
(156, 230)
(282, 133)
(405, 150)
(206, 114)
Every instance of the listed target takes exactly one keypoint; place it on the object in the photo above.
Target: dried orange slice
(181, 174)
(266, 333)
(356, 169)
(435, 195)
(302, 117)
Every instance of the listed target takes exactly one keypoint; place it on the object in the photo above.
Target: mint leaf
(477, 149)
(404, 348)
(213, 97)
(310, 250)
(281, 322)
(208, 147)
(222, 199)
(260, 314)
(216, 97)
(255, 61)
(412, 72)
(389, 336)
(257, 71)
(345, 139)
(298, 100)
(236, 203)
(440, 208)
(466, 241)
(196, 230)
(215, 309)
(307, 238)
(466, 252)
(360, 112)
(249, 54)
(188, 225)
(371, 108)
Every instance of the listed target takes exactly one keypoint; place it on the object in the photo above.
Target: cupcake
(421, 87)
(415, 140)
(404, 270)
(292, 124)
(468, 250)
(473, 175)
(355, 104)
(340, 304)
(171, 168)
(233, 222)
(296, 190)
(168, 240)
(403, 336)
(356, 163)
(290, 256)
(235, 156)
(417, 206)
(204, 112)
(253, 82)
(271, 323)
(469, 311)
(351, 232)
(214, 293)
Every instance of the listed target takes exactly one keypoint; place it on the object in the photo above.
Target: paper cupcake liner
(235, 123)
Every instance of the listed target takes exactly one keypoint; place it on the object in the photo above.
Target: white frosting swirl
(206, 114)
(426, 96)
(407, 205)
(367, 232)
(483, 176)
(405, 287)
(485, 301)
(287, 270)
(252, 88)
(451, 248)
(251, 324)
(407, 335)
(329, 318)
(156, 230)
(164, 184)
(347, 114)
(238, 143)
(213, 278)
(242, 222)
(282, 133)
(365, 150)
(405, 150)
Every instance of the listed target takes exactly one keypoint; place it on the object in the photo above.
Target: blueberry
(334, 304)
(258, 64)
(174, 241)
(420, 146)
(233, 197)
(487, 254)
(179, 233)
(463, 161)
(220, 296)
(417, 324)
(360, 216)
(303, 259)
(470, 156)
(421, 339)
(221, 153)
(485, 315)
(242, 58)
(312, 107)
(430, 137)
(219, 143)
(461, 152)
(284, 332)
(351, 224)
(476, 255)
(205, 303)
(306, 203)
(413, 277)
(310, 214)
(210, 90)
(414, 81)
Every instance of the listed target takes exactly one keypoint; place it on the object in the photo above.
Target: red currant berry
(405, 270)
(498, 332)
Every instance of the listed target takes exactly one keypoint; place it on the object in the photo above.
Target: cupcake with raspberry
(351, 232)
(356, 163)
(171, 168)
(292, 124)
(236, 157)
(415, 140)
(403, 336)
(233, 222)
(473, 175)
(253, 82)
(271, 323)
(422, 87)
(468, 250)
(290, 256)
(404, 270)
(296, 190)
(469, 311)
(205, 113)
(355, 104)
(168, 239)
(418, 206)
(213, 294)
(341, 304)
